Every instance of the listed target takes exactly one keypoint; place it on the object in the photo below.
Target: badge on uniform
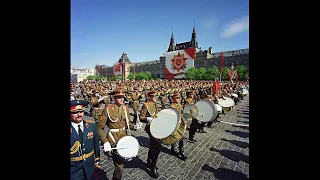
(90, 135)
(87, 125)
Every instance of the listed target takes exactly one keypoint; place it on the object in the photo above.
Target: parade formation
(171, 112)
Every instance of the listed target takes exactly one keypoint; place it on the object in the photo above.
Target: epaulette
(147, 102)
(89, 121)
(109, 105)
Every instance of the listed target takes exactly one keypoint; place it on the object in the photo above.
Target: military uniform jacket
(115, 118)
(177, 106)
(96, 108)
(188, 101)
(136, 104)
(149, 109)
(163, 100)
(85, 154)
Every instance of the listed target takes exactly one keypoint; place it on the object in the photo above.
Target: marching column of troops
(109, 104)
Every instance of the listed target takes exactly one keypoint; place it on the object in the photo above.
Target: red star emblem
(179, 62)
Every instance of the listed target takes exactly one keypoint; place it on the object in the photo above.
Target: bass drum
(168, 127)
(227, 104)
(128, 147)
(207, 111)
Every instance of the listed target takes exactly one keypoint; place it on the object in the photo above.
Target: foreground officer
(84, 143)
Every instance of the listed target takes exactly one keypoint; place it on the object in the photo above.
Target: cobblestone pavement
(221, 153)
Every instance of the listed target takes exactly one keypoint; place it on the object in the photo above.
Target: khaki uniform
(117, 119)
(150, 109)
(96, 109)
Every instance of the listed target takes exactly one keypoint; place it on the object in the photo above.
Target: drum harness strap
(120, 129)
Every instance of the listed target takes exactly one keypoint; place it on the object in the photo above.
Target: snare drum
(168, 127)
(128, 147)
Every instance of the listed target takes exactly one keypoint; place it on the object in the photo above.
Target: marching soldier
(135, 97)
(194, 124)
(163, 100)
(203, 95)
(116, 116)
(84, 143)
(96, 109)
(147, 113)
(176, 105)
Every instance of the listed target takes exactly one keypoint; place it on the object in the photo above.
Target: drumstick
(246, 125)
(116, 148)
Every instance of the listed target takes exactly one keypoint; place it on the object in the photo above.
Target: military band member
(96, 109)
(194, 124)
(176, 105)
(147, 113)
(202, 95)
(116, 116)
(135, 97)
(84, 143)
(163, 100)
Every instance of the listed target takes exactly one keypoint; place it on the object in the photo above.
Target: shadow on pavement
(246, 122)
(232, 155)
(237, 143)
(239, 133)
(225, 174)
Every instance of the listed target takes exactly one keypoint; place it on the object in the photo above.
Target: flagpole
(221, 62)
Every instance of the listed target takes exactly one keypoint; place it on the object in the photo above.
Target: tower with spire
(192, 43)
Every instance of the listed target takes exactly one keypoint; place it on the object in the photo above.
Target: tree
(91, 77)
(212, 72)
(201, 74)
(224, 75)
(242, 71)
(191, 73)
(131, 76)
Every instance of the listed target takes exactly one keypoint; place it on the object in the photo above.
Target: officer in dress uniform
(147, 113)
(116, 116)
(194, 123)
(176, 105)
(84, 143)
(96, 109)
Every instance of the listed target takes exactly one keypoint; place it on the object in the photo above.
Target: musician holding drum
(176, 105)
(116, 116)
(147, 113)
(194, 124)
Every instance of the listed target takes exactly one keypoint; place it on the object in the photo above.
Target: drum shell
(176, 135)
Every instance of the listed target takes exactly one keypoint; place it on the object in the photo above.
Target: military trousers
(118, 165)
(154, 151)
(193, 128)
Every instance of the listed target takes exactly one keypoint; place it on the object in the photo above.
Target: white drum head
(206, 110)
(130, 147)
(228, 102)
(245, 92)
(165, 124)
(234, 95)
(187, 116)
(191, 109)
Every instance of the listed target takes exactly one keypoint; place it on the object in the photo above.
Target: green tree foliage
(130, 76)
(143, 75)
(210, 73)
(191, 73)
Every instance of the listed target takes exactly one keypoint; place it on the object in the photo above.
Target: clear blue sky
(101, 30)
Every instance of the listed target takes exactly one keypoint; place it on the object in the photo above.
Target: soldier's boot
(209, 124)
(152, 168)
(173, 149)
(191, 136)
(181, 151)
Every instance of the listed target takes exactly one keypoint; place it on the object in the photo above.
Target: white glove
(107, 147)
(149, 119)
(100, 99)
